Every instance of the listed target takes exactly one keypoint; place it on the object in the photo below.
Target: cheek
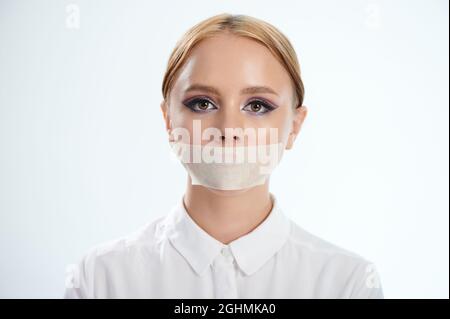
(278, 121)
(191, 122)
(181, 117)
(285, 128)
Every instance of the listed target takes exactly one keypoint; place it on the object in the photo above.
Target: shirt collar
(251, 251)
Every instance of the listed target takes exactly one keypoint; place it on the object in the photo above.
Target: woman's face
(234, 82)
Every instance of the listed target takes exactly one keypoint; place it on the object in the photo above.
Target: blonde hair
(240, 25)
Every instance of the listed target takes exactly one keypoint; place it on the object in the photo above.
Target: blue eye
(258, 107)
(200, 105)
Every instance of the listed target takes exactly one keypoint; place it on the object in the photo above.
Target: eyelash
(193, 101)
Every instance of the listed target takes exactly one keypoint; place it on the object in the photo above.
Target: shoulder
(142, 238)
(352, 274)
(307, 241)
(117, 255)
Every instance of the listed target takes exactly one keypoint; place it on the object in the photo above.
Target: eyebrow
(248, 90)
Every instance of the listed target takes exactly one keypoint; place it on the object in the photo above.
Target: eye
(258, 107)
(200, 105)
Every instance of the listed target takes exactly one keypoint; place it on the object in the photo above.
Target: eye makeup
(193, 104)
(266, 105)
(203, 104)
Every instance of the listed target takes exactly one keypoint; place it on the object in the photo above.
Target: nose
(229, 140)
(227, 122)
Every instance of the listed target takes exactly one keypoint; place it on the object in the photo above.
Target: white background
(84, 153)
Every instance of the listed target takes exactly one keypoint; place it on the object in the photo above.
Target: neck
(227, 215)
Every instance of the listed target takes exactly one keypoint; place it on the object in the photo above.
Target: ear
(165, 111)
(299, 116)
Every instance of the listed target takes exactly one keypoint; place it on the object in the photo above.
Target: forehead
(231, 62)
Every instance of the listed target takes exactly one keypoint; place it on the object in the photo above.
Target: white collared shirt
(172, 257)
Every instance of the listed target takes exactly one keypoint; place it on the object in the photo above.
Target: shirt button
(227, 253)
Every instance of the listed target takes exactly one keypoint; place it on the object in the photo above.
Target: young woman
(227, 237)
